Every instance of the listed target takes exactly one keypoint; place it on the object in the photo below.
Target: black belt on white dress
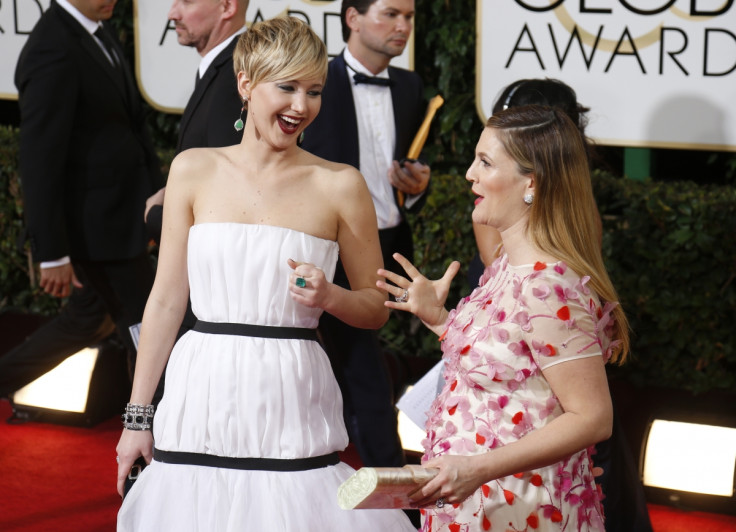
(263, 331)
(250, 464)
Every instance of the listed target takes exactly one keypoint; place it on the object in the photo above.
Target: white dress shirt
(210, 56)
(374, 111)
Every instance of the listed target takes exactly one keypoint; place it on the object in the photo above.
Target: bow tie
(372, 80)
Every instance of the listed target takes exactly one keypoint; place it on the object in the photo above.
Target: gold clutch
(383, 487)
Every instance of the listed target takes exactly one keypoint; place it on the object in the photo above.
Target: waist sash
(263, 331)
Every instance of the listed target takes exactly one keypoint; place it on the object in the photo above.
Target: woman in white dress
(246, 435)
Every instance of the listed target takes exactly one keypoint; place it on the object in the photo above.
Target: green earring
(239, 124)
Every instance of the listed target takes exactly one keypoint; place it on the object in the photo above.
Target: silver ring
(117, 459)
(403, 298)
(440, 502)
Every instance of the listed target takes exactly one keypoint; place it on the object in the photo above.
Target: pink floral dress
(520, 320)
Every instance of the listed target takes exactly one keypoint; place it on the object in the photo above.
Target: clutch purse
(133, 474)
(383, 487)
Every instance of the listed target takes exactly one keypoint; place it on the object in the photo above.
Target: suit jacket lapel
(402, 120)
(88, 42)
(200, 89)
(347, 121)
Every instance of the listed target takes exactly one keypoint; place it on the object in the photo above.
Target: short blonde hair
(282, 48)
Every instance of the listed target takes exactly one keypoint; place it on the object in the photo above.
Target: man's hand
(56, 281)
(412, 178)
(156, 199)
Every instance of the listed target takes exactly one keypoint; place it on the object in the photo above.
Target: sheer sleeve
(562, 318)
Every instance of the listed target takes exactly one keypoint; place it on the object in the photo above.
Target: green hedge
(18, 280)
(671, 252)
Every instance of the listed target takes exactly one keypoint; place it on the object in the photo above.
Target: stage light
(66, 387)
(690, 464)
(89, 386)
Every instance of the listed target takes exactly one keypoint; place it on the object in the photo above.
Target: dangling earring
(239, 124)
(528, 198)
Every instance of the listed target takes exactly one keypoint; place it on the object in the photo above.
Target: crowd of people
(258, 363)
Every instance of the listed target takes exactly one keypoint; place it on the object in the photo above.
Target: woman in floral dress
(525, 394)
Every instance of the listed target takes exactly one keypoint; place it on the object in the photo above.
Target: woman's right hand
(132, 444)
(418, 295)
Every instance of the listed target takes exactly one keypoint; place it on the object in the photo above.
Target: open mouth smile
(288, 124)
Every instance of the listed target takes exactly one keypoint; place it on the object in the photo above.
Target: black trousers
(624, 505)
(123, 286)
(113, 296)
(82, 321)
(361, 371)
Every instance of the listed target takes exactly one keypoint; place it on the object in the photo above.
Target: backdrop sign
(655, 73)
(17, 18)
(165, 70)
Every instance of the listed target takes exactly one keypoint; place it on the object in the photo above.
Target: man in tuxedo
(369, 116)
(212, 28)
(87, 163)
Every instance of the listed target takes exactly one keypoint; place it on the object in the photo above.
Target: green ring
(301, 282)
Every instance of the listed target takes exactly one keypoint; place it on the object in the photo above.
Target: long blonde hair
(545, 143)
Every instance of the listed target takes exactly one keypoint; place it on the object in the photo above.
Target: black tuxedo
(87, 163)
(355, 353)
(213, 107)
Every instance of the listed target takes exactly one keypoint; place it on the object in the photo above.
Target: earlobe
(244, 86)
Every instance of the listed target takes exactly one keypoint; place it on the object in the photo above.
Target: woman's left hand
(308, 285)
(417, 294)
(457, 480)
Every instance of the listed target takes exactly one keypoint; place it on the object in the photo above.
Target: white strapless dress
(241, 396)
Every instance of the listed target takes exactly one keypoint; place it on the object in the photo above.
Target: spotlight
(690, 462)
(64, 388)
(89, 386)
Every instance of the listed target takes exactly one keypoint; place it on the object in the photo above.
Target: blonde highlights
(545, 143)
(282, 48)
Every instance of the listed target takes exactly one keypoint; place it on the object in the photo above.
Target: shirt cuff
(412, 199)
(55, 263)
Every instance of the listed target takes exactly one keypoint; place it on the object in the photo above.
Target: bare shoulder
(340, 179)
(195, 165)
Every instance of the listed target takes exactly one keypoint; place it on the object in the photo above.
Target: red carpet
(62, 479)
(666, 519)
(57, 478)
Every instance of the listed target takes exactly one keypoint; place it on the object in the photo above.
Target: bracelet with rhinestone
(137, 417)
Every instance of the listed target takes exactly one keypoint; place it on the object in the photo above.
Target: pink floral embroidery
(496, 343)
